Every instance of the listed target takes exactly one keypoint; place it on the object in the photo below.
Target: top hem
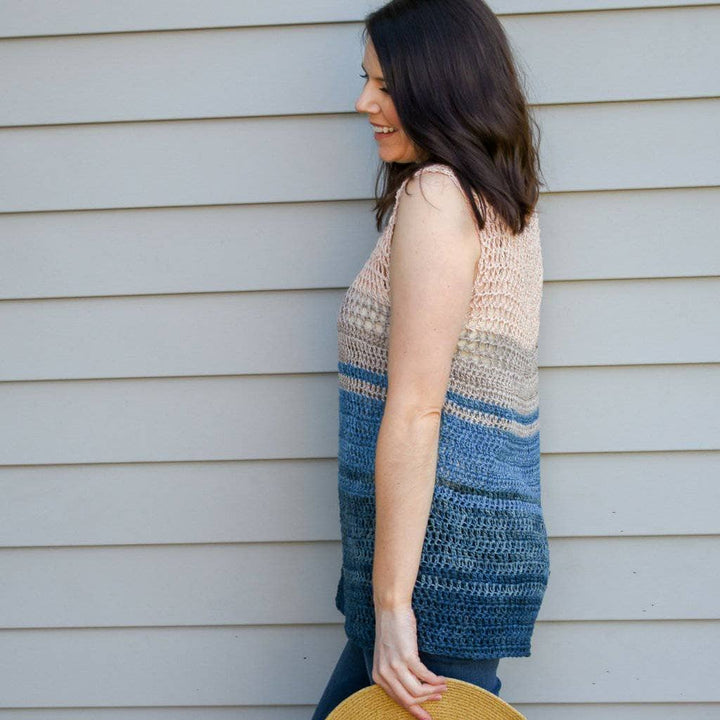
(462, 654)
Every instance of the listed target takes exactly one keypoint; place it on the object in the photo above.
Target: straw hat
(461, 701)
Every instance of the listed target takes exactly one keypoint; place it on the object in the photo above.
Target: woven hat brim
(461, 701)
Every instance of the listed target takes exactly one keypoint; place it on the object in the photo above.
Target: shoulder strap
(391, 221)
(439, 167)
(447, 170)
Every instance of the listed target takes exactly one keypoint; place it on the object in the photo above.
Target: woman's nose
(364, 105)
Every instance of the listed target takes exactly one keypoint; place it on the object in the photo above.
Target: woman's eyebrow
(381, 79)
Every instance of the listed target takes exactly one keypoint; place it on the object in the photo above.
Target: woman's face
(375, 100)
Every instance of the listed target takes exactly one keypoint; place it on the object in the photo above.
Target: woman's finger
(425, 674)
(406, 699)
(417, 689)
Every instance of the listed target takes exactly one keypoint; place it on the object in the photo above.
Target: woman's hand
(397, 667)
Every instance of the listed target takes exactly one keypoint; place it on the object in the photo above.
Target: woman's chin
(389, 156)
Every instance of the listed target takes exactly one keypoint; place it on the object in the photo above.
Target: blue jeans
(353, 672)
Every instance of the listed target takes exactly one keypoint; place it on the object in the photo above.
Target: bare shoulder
(433, 196)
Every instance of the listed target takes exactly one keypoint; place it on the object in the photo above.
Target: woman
(445, 551)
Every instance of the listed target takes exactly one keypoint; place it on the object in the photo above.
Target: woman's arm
(435, 249)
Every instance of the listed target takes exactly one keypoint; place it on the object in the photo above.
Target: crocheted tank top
(484, 565)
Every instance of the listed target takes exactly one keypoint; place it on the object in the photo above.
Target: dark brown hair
(450, 72)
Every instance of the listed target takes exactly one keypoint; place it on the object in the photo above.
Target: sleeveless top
(484, 565)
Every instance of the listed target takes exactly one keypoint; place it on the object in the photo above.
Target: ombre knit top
(484, 564)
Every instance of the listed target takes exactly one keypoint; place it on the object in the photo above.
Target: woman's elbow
(408, 409)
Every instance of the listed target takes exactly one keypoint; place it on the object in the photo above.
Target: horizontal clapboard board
(589, 662)
(284, 332)
(303, 245)
(584, 495)
(606, 146)
(63, 17)
(313, 70)
(639, 578)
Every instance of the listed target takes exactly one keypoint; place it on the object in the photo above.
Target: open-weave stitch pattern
(484, 566)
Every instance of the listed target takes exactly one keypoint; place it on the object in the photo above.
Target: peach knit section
(508, 281)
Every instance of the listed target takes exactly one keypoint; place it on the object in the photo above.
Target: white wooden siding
(199, 584)
(587, 147)
(181, 334)
(588, 495)
(40, 17)
(299, 245)
(644, 54)
(176, 232)
(235, 665)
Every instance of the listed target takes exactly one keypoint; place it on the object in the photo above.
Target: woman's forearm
(405, 466)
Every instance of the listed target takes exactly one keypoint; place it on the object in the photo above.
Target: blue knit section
(485, 559)
(358, 373)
